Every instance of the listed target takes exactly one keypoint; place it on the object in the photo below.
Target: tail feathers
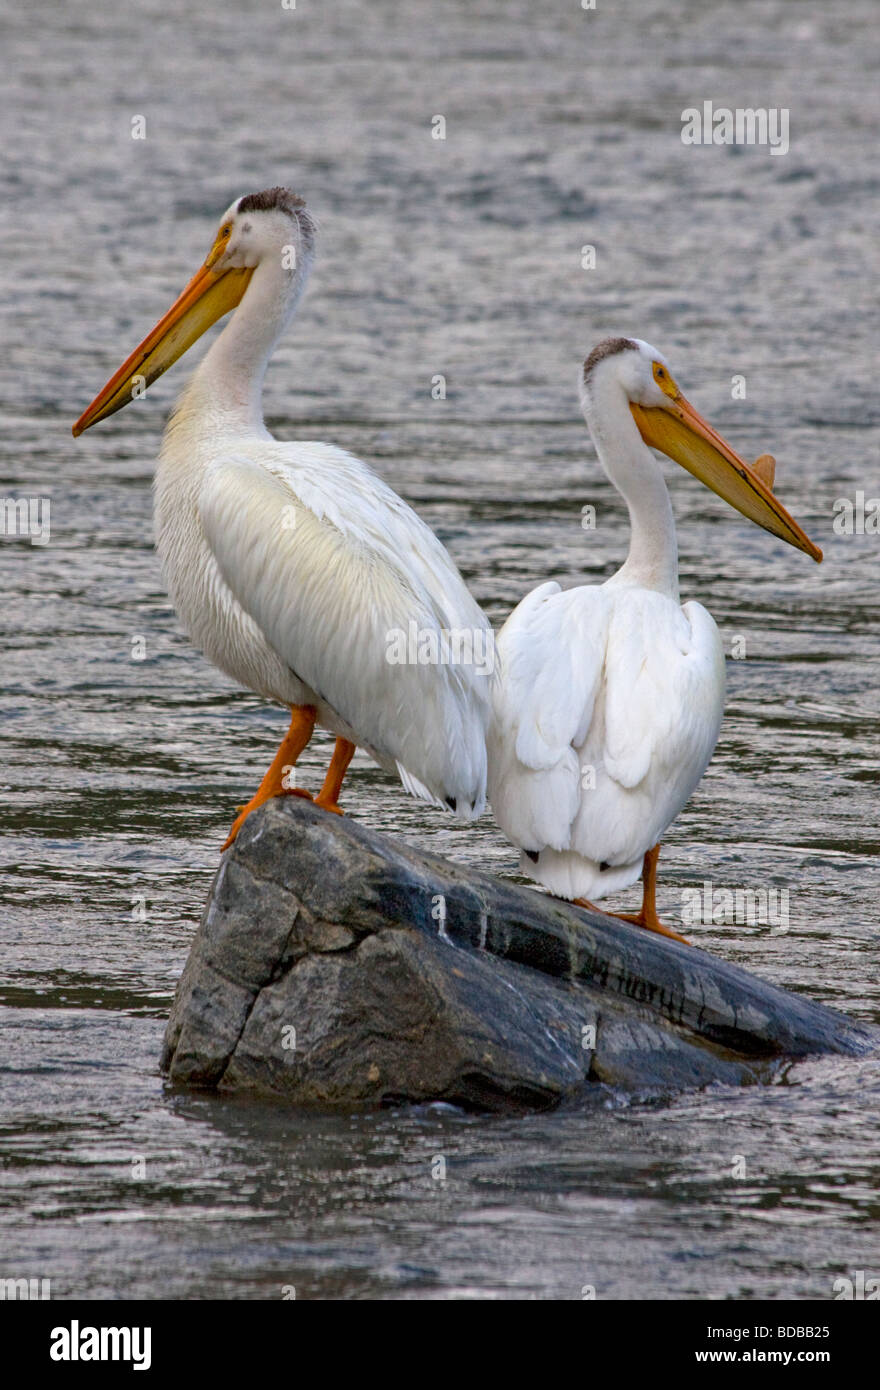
(569, 875)
(461, 807)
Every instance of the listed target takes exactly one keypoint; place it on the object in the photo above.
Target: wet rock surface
(334, 966)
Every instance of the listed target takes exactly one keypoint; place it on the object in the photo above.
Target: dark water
(460, 257)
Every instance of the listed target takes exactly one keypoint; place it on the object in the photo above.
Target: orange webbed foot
(302, 722)
(650, 923)
(647, 914)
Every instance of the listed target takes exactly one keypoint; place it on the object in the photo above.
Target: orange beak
(680, 432)
(209, 295)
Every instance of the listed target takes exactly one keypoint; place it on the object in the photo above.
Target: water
(460, 257)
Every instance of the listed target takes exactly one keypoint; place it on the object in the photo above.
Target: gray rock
(334, 966)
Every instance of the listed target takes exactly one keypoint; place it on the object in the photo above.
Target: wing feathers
(605, 716)
(344, 581)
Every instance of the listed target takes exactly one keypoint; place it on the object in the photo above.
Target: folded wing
(605, 716)
(354, 593)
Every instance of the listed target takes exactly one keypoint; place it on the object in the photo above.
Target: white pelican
(610, 697)
(293, 566)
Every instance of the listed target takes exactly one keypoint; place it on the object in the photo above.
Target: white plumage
(302, 575)
(292, 565)
(609, 698)
(606, 715)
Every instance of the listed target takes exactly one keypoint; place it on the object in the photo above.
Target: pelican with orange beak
(610, 698)
(293, 566)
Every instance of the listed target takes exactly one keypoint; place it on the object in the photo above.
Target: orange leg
(302, 725)
(328, 796)
(647, 914)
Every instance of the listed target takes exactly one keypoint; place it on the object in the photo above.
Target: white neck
(228, 384)
(652, 561)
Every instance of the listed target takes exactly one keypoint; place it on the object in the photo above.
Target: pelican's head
(255, 228)
(667, 421)
(262, 225)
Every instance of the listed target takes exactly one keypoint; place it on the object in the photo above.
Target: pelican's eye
(665, 380)
(219, 247)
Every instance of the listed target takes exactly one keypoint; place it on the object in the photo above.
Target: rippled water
(460, 257)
